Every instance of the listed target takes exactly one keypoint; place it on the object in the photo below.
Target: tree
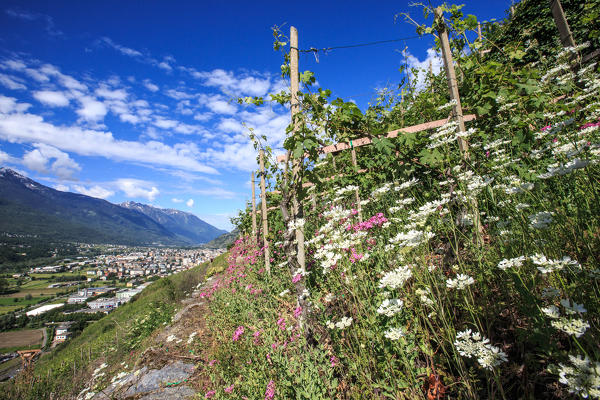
(4, 285)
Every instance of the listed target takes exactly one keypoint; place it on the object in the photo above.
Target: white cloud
(36, 161)
(104, 91)
(63, 166)
(11, 82)
(19, 127)
(231, 125)
(150, 86)
(51, 98)
(15, 65)
(137, 188)
(91, 109)
(164, 65)
(190, 203)
(67, 81)
(203, 117)
(183, 107)
(28, 16)
(132, 119)
(6, 158)
(62, 188)
(18, 65)
(423, 66)
(94, 191)
(122, 49)
(237, 150)
(165, 123)
(175, 200)
(228, 82)
(178, 95)
(37, 75)
(221, 107)
(9, 105)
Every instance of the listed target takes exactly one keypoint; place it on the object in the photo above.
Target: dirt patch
(22, 338)
(36, 292)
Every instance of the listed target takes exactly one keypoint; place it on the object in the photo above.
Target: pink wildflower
(354, 256)
(212, 362)
(296, 278)
(238, 332)
(209, 394)
(376, 220)
(270, 392)
(281, 323)
(333, 361)
(229, 389)
(297, 312)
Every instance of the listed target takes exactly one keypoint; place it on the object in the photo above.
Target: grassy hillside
(460, 271)
(116, 338)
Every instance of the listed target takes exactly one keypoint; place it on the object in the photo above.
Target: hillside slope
(30, 208)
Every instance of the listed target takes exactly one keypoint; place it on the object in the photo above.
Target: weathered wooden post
(431, 74)
(356, 192)
(253, 207)
(263, 206)
(456, 108)
(566, 38)
(452, 84)
(295, 109)
(480, 37)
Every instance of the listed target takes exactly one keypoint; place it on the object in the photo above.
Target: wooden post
(566, 38)
(356, 194)
(480, 38)
(263, 206)
(452, 85)
(457, 108)
(295, 108)
(431, 74)
(253, 207)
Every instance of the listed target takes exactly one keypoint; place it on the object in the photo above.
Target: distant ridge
(30, 208)
(223, 241)
(185, 225)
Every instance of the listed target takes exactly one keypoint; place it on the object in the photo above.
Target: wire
(326, 49)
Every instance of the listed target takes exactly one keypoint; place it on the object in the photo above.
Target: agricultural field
(29, 338)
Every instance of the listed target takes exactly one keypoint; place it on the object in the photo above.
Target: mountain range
(30, 208)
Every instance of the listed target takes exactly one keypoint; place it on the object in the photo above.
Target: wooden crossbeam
(364, 141)
(27, 356)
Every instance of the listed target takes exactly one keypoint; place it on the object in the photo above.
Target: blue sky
(132, 100)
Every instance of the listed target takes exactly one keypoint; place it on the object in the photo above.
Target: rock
(171, 393)
(155, 379)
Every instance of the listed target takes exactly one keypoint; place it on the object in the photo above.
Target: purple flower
(270, 392)
(238, 332)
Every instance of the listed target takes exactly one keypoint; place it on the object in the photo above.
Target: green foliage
(531, 180)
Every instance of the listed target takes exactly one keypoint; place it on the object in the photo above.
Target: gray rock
(174, 393)
(155, 379)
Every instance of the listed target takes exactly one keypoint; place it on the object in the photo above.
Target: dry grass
(37, 292)
(21, 338)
